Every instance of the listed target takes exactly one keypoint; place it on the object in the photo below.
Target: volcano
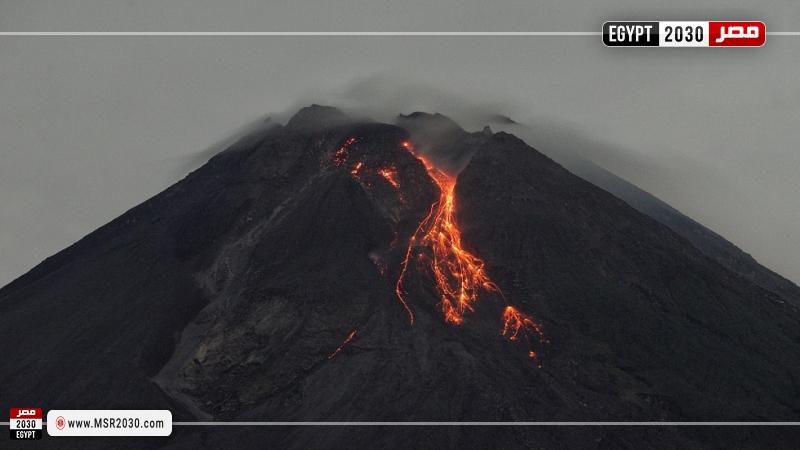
(338, 269)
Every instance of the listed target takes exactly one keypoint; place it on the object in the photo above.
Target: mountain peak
(501, 119)
(430, 130)
(316, 117)
(313, 275)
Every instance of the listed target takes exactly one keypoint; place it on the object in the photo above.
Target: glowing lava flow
(436, 246)
(390, 174)
(356, 168)
(341, 347)
(517, 324)
(459, 275)
(341, 153)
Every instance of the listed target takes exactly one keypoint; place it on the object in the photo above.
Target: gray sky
(91, 126)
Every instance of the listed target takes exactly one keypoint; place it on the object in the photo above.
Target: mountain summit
(336, 270)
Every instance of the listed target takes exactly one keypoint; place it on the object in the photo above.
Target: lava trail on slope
(459, 275)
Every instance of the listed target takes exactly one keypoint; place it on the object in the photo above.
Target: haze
(92, 126)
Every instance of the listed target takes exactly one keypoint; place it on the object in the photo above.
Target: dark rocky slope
(228, 295)
(707, 241)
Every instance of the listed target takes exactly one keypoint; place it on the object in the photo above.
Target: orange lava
(517, 324)
(436, 246)
(398, 288)
(341, 347)
(340, 156)
(390, 174)
(460, 275)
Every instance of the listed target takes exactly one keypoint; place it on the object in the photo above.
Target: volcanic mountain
(334, 269)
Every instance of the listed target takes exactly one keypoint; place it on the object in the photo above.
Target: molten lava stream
(459, 274)
(341, 347)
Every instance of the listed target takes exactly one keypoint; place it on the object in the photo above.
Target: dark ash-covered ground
(224, 296)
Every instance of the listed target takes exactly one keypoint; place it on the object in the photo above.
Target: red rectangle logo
(25, 413)
(736, 34)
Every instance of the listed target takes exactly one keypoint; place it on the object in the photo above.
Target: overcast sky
(91, 126)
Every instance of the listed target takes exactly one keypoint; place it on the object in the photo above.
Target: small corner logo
(25, 423)
(684, 34)
(736, 34)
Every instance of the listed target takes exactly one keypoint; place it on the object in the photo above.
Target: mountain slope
(710, 243)
(627, 292)
(575, 151)
(280, 281)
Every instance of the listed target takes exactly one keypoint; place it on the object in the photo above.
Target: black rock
(262, 287)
